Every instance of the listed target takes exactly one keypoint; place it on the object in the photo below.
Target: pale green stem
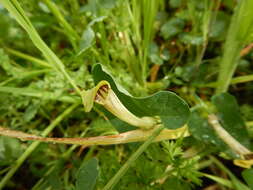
(40, 94)
(127, 137)
(25, 75)
(226, 137)
(236, 182)
(235, 80)
(28, 57)
(222, 181)
(132, 159)
(34, 145)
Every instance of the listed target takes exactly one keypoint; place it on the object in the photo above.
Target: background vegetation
(198, 49)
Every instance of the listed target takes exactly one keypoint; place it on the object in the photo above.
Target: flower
(105, 96)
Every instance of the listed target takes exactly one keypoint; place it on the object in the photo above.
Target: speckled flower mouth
(104, 95)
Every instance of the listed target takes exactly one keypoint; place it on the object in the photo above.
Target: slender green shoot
(149, 9)
(235, 181)
(222, 181)
(28, 57)
(238, 35)
(142, 14)
(40, 94)
(115, 179)
(26, 74)
(235, 80)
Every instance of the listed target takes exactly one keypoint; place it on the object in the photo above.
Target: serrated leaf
(173, 110)
(87, 175)
(229, 115)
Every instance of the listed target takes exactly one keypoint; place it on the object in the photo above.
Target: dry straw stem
(226, 137)
(127, 137)
(246, 154)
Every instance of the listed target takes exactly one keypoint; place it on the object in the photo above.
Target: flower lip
(102, 93)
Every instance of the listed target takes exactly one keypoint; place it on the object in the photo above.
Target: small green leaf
(219, 28)
(87, 175)
(231, 120)
(31, 111)
(10, 149)
(7, 66)
(173, 111)
(191, 39)
(175, 3)
(248, 177)
(172, 27)
(86, 40)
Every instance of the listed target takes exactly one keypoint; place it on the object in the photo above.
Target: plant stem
(127, 137)
(219, 180)
(40, 94)
(25, 75)
(236, 182)
(149, 9)
(132, 159)
(28, 57)
(34, 145)
(226, 137)
(235, 80)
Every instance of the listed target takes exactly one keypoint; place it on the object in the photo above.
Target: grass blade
(239, 31)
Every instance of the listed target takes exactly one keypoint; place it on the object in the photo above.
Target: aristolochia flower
(104, 95)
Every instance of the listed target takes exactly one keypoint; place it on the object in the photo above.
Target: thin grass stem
(113, 181)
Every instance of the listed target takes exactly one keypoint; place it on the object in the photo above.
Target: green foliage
(229, 114)
(160, 54)
(202, 131)
(10, 149)
(87, 175)
(230, 118)
(239, 34)
(247, 176)
(172, 28)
